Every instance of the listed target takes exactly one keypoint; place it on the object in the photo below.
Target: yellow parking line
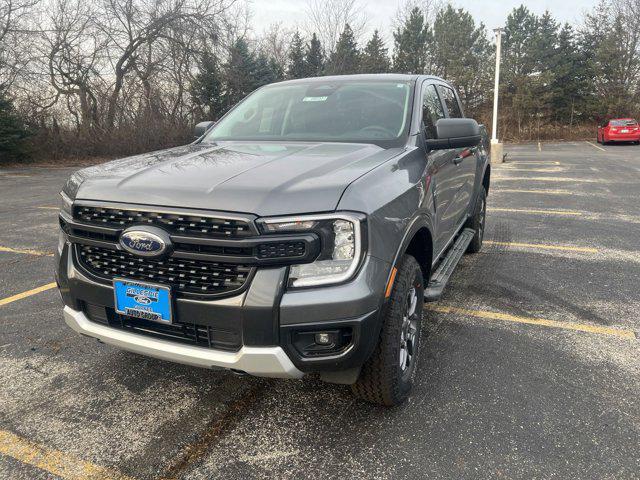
(26, 294)
(539, 191)
(580, 327)
(596, 146)
(53, 461)
(26, 251)
(527, 162)
(544, 212)
(47, 207)
(535, 170)
(542, 246)
(546, 179)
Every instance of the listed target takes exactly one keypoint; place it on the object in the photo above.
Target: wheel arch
(418, 242)
(486, 178)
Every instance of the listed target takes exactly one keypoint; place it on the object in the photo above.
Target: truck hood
(244, 177)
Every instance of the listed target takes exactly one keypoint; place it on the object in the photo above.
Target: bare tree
(74, 48)
(327, 18)
(628, 11)
(275, 42)
(429, 9)
(13, 16)
(133, 25)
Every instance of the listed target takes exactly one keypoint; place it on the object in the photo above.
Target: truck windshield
(347, 111)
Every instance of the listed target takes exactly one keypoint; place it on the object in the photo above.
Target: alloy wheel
(408, 332)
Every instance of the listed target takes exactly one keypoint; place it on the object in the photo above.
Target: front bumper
(263, 329)
(259, 361)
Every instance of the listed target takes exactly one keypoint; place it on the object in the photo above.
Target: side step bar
(440, 277)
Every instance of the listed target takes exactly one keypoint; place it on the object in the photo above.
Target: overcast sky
(381, 12)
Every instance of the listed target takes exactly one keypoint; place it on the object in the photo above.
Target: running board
(441, 276)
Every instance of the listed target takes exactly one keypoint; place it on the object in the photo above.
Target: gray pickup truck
(299, 235)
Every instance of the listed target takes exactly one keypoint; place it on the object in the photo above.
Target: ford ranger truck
(299, 235)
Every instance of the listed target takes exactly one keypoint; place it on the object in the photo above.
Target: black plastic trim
(311, 241)
(363, 343)
(108, 281)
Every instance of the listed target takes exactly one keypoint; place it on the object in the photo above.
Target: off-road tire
(478, 221)
(382, 380)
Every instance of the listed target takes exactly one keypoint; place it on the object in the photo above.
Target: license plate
(624, 131)
(143, 300)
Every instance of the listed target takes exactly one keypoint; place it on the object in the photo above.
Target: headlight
(341, 237)
(66, 204)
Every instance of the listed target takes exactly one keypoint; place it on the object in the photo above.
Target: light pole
(496, 146)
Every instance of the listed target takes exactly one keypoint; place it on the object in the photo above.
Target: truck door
(441, 168)
(464, 160)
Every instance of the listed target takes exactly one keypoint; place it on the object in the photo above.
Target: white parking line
(596, 146)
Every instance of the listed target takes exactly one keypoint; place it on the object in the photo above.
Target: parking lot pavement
(530, 365)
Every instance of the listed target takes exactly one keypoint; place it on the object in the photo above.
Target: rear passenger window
(431, 110)
(451, 102)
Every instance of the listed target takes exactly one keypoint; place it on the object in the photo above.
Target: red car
(619, 130)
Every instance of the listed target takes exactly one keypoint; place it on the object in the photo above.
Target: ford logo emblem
(142, 300)
(145, 241)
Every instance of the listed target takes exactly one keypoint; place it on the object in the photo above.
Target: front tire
(387, 377)
(478, 222)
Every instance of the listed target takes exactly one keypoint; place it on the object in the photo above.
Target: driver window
(432, 110)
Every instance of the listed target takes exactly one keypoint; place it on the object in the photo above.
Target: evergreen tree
(296, 67)
(375, 58)
(411, 41)
(277, 69)
(314, 58)
(519, 65)
(238, 73)
(545, 55)
(346, 57)
(518, 42)
(572, 97)
(13, 132)
(265, 71)
(206, 88)
(545, 41)
(460, 52)
(611, 41)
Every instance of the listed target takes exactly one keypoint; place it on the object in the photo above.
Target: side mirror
(201, 128)
(455, 133)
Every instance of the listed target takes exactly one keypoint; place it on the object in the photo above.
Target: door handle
(467, 152)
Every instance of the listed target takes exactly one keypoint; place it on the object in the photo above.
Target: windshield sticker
(314, 99)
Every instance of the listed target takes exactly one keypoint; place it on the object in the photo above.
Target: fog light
(323, 338)
(322, 343)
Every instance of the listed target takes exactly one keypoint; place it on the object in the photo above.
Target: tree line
(114, 77)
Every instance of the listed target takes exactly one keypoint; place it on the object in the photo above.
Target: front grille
(190, 276)
(179, 224)
(183, 332)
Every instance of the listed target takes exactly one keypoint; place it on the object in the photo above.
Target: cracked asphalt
(497, 395)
